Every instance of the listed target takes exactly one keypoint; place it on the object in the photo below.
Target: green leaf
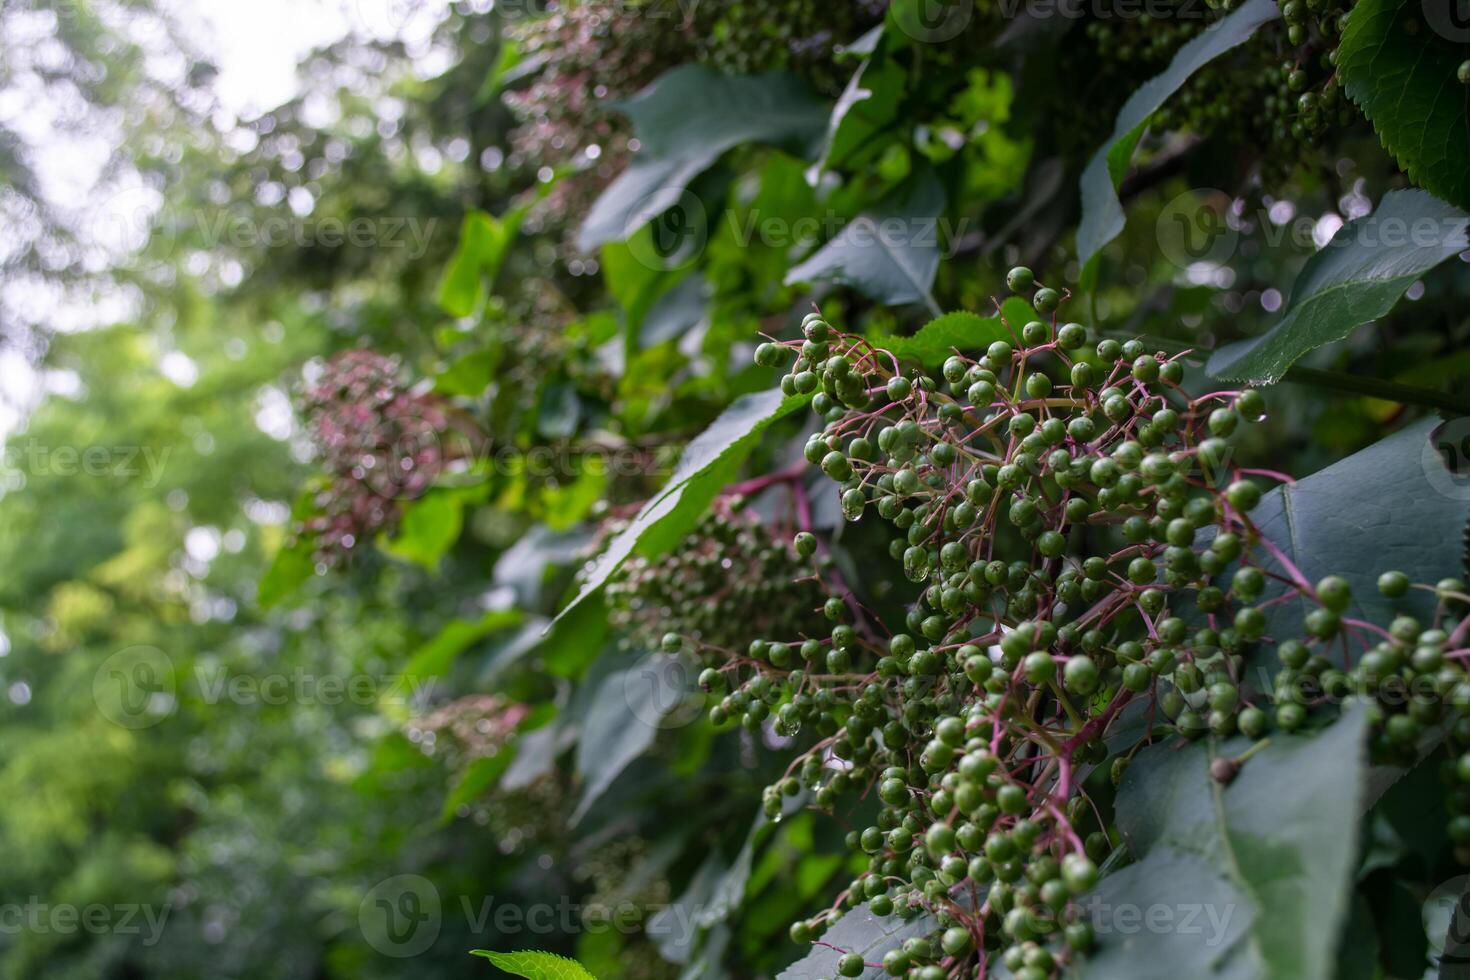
(624, 719)
(536, 753)
(469, 375)
(684, 121)
(1102, 212)
(1384, 508)
(709, 462)
(889, 254)
(1358, 276)
(1255, 881)
(434, 658)
(938, 339)
(635, 282)
(864, 112)
(1398, 60)
(477, 778)
(430, 526)
(675, 312)
(536, 965)
(483, 241)
(291, 566)
(859, 931)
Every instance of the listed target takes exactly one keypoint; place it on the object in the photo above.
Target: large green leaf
(623, 720)
(483, 242)
(889, 254)
(933, 343)
(684, 121)
(709, 462)
(536, 965)
(859, 931)
(1398, 60)
(1102, 212)
(1380, 509)
(1358, 276)
(1239, 881)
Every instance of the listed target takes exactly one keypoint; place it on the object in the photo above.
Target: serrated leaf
(889, 254)
(859, 931)
(536, 965)
(1356, 277)
(708, 463)
(684, 121)
(483, 242)
(933, 343)
(1398, 61)
(1102, 212)
(1244, 881)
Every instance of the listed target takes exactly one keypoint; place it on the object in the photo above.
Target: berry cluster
(732, 574)
(1082, 545)
(379, 442)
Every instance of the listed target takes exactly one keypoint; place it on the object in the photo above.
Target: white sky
(257, 45)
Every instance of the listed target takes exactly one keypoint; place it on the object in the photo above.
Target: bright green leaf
(536, 965)
(483, 241)
(938, 339)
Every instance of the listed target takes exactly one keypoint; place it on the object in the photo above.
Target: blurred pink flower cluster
(380, 444)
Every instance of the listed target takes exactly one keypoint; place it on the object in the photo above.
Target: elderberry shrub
(1136, 575)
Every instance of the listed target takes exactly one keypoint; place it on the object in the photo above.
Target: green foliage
(1073, 628)
(536, 966)
(1398, 61)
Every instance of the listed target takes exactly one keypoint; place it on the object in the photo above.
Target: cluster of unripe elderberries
(1081, 544)
(730, 576)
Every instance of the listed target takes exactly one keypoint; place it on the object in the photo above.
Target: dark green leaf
(478, 776)
(684, 121)
(1254, 881)
(1102, 212)
(864, 113)
(1398, 60)
(624, 719)
(1358, 276)
(889, 254)
(1378, 510)
(434, 658)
